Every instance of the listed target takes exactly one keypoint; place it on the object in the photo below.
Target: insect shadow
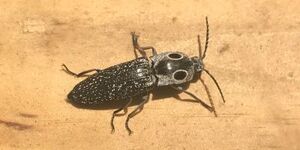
(158, 94)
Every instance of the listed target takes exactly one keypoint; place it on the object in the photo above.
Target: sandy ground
(253, 52)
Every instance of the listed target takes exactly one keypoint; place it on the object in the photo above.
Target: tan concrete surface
(253, 52)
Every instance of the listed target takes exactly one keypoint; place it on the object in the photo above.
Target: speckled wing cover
(119, 82)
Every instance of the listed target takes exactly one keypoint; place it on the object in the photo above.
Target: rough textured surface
(253, 52)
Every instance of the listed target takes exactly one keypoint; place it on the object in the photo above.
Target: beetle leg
(81, 74)
(209, 96)
(209, 108)
(136, 111)
(136, 46)
(115, 113)
(185, 100)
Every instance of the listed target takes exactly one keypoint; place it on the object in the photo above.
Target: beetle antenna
(207, 38)
(199, 46)
(213, 78)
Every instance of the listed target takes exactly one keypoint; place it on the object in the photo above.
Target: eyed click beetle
(139, 77)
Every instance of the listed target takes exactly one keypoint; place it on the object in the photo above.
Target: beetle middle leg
(136, 111)
(136, 46)
(115, 113)
(81, 74)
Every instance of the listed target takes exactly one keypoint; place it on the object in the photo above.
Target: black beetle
(140, 76)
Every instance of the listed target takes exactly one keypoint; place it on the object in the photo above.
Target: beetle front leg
(209, 96)
(81, 74)
(136, 46)
(136, 111)
(209, 108)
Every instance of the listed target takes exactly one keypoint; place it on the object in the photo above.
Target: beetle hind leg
(136, 111)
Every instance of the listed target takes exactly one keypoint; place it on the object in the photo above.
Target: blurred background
(253, 52)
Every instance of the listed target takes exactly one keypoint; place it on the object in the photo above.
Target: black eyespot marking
(180, 75)
(175, 56)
